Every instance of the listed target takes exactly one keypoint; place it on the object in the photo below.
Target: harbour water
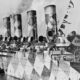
(5, 77)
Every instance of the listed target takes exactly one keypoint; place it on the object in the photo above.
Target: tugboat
(2, 71)
(75, 49)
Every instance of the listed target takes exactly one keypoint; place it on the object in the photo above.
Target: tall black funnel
(32, 24)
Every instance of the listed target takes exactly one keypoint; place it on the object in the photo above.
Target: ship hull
(35, 66)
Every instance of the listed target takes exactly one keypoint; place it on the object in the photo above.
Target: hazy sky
(21, 6)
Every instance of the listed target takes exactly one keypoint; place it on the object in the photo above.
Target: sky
(8, 7)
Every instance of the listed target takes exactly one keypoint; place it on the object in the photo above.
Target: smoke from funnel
(24, 5)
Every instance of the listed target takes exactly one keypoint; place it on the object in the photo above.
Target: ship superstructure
(54, 57)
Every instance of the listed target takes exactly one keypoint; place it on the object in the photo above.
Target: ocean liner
(54, 57)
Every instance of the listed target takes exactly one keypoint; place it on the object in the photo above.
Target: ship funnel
(7, 25)
(51, 21)
(32, 24)
(17, 21)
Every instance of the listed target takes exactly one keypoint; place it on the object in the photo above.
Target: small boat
(2, 72)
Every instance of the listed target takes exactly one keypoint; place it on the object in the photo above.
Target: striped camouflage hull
(36, 66)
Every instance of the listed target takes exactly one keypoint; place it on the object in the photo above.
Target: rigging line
(71, 5)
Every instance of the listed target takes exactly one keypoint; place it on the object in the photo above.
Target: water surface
(5, 77)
